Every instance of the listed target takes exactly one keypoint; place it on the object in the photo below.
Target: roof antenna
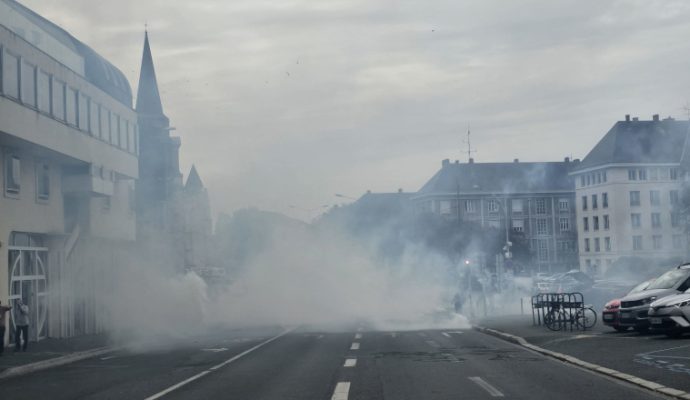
(470, 150)
(686, 108)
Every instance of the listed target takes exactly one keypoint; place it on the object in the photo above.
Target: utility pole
(470, 150)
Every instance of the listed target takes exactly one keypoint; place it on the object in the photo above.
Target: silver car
(671, 314)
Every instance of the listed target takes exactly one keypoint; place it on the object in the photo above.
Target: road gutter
(634, 380)
(54, 362)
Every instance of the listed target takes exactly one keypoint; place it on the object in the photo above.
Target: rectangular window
(585, 223)
(584, 203)
(642, 174)
(13, 174)
(563, 204)
(541, 206)
(635, 220)
(655, 197)
(71, 106)
(663, 174)
(470, 206)
(657, 243)
(492, 206)
(603, 175)
(587, 244)
(517, 205)
(105, 123)
(637, 242)
(582, 180)
(674, 174)
(605, 200)
(595, 203)
(656, 220)
(564, 223)
(598, 177)
(543, 250)
(444, 207)
(635, 198)
(678, 241)
(632, 175)
(58, 93)
(518, 225)
(136, 140)
(606, 222)
(10, 74)
(28, 86)
(673, 197)
(542, 228)
(675, 219)
(607, 243)
(597, 244)
(43, 89)
(595, 223)
(42, 181)
(94, 119)
(654, 174)
(83, 113)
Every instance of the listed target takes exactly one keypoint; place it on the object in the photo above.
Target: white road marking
(355, 346)
(208, 371)
(456, 332)
(445, 334)
(486, 386)
(215, 350)
(320, 337)
(350, 362)
(108, 358)
(358, 335)
(342, 389)
(433, 343)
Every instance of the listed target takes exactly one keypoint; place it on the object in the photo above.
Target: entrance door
(27, 262)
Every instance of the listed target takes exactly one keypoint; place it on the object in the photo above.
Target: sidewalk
(49, 351)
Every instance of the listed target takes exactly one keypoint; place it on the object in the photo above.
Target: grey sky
(290, 101)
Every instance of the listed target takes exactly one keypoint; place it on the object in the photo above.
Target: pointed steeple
(148, 98)
(194, 183)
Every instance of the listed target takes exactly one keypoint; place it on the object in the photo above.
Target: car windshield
(640, 287)
(669, 279)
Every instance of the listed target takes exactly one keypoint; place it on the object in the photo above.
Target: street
(305, 363)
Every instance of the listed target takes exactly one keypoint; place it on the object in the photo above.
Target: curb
(54, 362)
(643, 383)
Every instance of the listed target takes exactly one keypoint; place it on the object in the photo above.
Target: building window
(585, 223)
(470, 207)
(582, 180)
(83, 113)
(674, 174)
(605, 200)
(598, 177)
(58, 92)
(28, 86)
(541, 206)
(107, 203)
(642, 174)
(542, 228)
(635, 198)
(589, 179)
(635, 220)
(587, 245)
(13, 174)
(603, 175)
(673, 197)
(42, 181)
(563, 204)
(607, 243)
(595, 223)
(43, 91)
(10, 74)
(564, 224)
(518, 225)
(595, 203)
(678, 241)
(597, 244)
(675, 219)
(444, 207)
(654, 197)
(656, 220)
(492, 206)
(654, 174)
(584, 203)
(637, 242)
(657, 243)
(632, 175)
(606, 222)
(543, 250)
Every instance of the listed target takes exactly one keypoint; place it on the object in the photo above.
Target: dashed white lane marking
(108, 358)
(215, 367)
(358, 335)
(433, 343)
(456, 332)
(215, 350)
(342, 389)
(486, 386)
(355, 346)
(350, 362)
(320, 337)
(445, 334)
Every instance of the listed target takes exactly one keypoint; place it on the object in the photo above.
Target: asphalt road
(302, 364)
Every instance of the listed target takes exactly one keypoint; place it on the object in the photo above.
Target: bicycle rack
(566, 305)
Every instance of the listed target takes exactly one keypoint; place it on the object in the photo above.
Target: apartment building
(627, 189)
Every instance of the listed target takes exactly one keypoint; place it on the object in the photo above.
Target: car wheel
(621, 328)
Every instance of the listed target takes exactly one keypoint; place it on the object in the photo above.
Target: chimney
(400, 190)
(567, 159)
(457, 161)
(445, 163)
(516, 160)
(655, 117)
(627, 117)
(368, 191)
(635, 119)
(471, 160)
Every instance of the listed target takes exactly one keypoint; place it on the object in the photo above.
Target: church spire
(148, 98)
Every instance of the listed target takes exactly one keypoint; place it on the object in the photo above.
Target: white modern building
(68, 165)
(627, 189)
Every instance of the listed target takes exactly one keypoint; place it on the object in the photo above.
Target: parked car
(671, 314)
(634, 308)
(571, 281)
(611, 313)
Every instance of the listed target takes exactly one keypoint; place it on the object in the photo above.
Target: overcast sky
(287, 102)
